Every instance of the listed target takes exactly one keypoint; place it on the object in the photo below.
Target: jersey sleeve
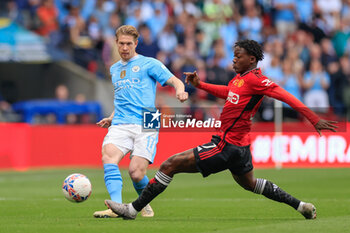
(159, 72)
(219, 91)
(265, 86)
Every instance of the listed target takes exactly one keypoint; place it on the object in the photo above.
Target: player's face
(242, 61)
(126, 46)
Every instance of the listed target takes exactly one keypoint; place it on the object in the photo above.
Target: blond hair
(127, 30)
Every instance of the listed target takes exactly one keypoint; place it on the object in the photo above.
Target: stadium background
(54, 85)
(55, 57)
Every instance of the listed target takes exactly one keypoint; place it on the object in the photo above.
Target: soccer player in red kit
(230, 148)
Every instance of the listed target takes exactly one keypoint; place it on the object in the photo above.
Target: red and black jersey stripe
(254, 100)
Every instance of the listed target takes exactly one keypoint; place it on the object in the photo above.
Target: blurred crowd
(306, 42)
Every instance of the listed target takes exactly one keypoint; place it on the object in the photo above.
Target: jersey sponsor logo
(135, 69)
(267, 82)
(122, 74)
(238, 82)
(233, 97)
(126, 83)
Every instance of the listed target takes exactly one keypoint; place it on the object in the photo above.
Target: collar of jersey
(257, 68)
(126, 62)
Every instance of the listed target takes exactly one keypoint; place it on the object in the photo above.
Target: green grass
(33, 202)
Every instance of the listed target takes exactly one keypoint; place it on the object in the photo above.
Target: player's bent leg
(273, 192)
(246, 181)
(137, 171)
(138, 168)
(183, 162)
(111, 155)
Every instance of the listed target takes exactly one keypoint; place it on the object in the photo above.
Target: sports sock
(155, 186)
(272, 191)
(141, 184)
(113, 181)
(300, 207)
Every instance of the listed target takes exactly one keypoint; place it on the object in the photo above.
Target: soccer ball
(76, 188)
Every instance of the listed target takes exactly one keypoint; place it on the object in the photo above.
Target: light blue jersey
(135, 85)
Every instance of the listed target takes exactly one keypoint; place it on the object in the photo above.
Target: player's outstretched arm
(277, 92)
(106, 122)
(181, 95)
(325, 125)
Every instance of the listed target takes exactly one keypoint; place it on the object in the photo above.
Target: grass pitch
(33, 202)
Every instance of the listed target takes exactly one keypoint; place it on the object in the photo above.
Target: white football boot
(308, 210)
(105, 214)
(147, 211)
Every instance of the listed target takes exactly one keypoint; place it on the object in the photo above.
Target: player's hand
(105, 122)
(326, 125)
(182, 96)
(192, 77)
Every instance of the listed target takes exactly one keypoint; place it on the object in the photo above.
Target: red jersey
(244, 95)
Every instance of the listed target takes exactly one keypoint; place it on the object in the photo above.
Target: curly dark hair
(252, 47)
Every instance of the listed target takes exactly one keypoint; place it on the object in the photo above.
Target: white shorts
(130, 138)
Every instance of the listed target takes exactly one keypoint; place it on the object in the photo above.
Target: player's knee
(165, 166)
(109, 155)
(169, 166)
(247, 184)
(136, 174)
(106, 158)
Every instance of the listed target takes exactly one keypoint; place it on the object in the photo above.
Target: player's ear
(136, 43)
(252, 59)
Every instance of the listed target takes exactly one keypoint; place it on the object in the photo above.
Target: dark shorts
(219, 155)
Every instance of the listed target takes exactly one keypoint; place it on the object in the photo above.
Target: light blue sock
(113, 181)
(140, 185)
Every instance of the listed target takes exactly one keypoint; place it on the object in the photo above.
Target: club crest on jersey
(122, 74)
(238, 82)
(233, 97)
(135, 69)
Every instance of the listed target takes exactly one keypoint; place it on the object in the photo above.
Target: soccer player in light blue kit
(134, 78)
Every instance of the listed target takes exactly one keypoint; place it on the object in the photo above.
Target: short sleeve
(159, 72)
